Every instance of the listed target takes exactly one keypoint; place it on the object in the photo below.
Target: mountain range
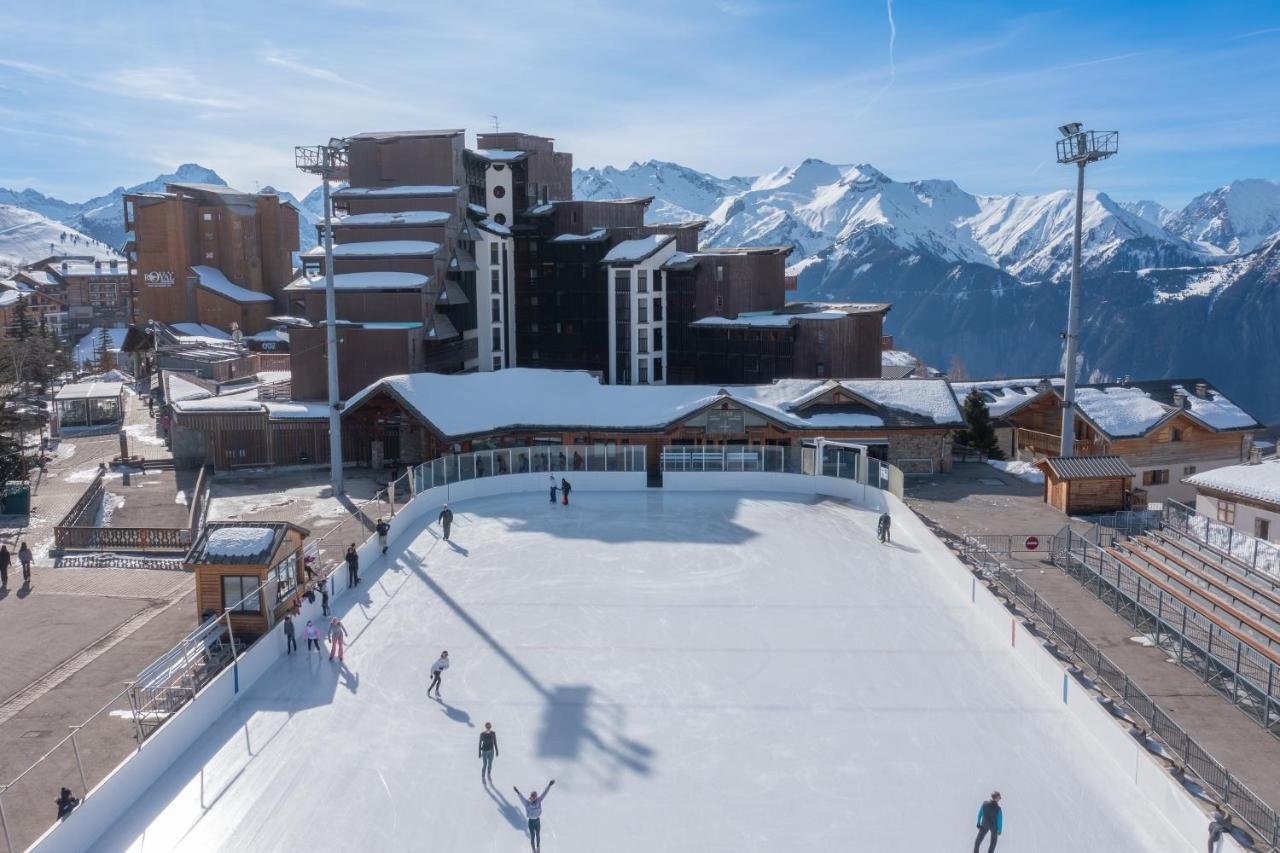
(980, 282)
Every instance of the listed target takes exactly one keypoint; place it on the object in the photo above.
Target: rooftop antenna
(495, 122)
(330, 163)
(1080, 147)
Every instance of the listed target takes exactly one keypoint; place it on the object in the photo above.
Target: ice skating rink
(699, 672)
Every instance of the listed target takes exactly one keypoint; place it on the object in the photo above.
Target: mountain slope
(680, 193)
(1236, 218)
(26, 236)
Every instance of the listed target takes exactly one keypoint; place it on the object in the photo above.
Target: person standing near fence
(337, 638)
(353, 565)
(290, 642)
(488, 751)
(25, 557)
(437, 670)
(324, 597)
(551, 478)
(446, 521)
(312, 633)
(990, 821)
(565, 488)
(382, 529)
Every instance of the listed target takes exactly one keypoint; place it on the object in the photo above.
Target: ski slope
(698, 672)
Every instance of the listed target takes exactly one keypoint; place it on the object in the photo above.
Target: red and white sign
(1032, 543)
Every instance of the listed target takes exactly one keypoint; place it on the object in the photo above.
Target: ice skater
(533, 811)
(565, 488)
(488, 751)
(337, 638)
(382, 529)
(312, 633)
(437, 670)
(324, 597)
(353, 565)
(446, 521)
(291, 642)
(882, 528)
(1219, 828)
(990, 821)
(551, 478)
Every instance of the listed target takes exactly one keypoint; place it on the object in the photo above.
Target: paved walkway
(977, 498)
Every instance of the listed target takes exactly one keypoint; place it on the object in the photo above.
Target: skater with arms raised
(533, 811)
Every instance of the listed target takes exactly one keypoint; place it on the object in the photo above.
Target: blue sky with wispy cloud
(97, 94)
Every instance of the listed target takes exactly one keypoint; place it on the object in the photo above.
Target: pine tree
(22, 320)
(106, 358)
(979, 432)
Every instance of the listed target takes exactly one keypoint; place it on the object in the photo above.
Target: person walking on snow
(337, 638)
(290, 642)
(990, 820)
(446, 520)
(5, 559)
(565, 488)
(882, 528)
(437, 670)
(312, 633)
(382, 529)
(533, 811)
(551, 478)
(24, 557)
(353, 565)
(488, 751)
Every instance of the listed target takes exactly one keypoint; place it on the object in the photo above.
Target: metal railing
(1249, 679)
(837, 462)
(1253, 552)
(1251, 808)
(549, 458)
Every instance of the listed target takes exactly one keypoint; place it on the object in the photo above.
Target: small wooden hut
(231, 559)
(1082, 485)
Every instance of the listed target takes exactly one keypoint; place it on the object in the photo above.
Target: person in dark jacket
(565, 489)
(446, 520)
(5, 559)
(882, 528)
(488, 751)
(66, 803)
(382, 529)
(291, 641)
(324, 597)
(990, 822)
(353, 566)
(25, 556)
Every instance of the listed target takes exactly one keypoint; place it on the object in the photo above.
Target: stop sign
(1032, 543)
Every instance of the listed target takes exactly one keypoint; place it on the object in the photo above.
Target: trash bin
(17, 498)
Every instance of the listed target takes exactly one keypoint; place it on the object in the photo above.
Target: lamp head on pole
(1086, 146)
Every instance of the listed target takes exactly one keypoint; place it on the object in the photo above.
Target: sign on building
(726, 421)
(159, 278)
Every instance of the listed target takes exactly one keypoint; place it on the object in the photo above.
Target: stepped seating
(1191, 545)
(1264, 587)
(1228, 618)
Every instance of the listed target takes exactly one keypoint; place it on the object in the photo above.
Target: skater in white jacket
(437, 669)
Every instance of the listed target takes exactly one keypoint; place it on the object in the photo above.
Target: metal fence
(1256, 553)
(1241, 673)
(459, 467)
(1179, 745)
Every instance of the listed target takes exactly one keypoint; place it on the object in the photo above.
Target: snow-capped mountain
(1236, 218)
(27, 236)
(680, 193)
(1152, 211)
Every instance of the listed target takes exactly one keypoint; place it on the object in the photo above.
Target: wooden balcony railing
(1050, 444)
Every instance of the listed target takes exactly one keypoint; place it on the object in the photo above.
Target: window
(1227, 512)
(495, 281)
(496, 344)
(642, 281)
(235, 588)
(499, 191)
(719, 303)
(1262, 528)
(558, 329)
(1188, 470)
(659, 279)
(644, 340)
(643, 375)
(719, 272)
(1158, 477)
(533, 275)
(533, 300)
(497, 311)
(643, 316)
(657, 370)
(497, 362)
(208, 217)
(657, 340)
(822, 336)
(657, 310)
(821, 369)
(495, 257)
(283, 578)
(533, 327)
(1175, 434)
(311, 268)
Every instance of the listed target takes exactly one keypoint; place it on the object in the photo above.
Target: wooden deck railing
(122, 538)
(1050, 444)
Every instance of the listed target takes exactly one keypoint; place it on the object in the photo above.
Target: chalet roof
(748, 250)
(240, 542)
(348, 281)
(89, 390)
(1086, 467)
(634, 251)
(595, 236)
(1258, 481)
(405, 191)
(790, 314)
(407, 134)
(212, 279)
(1006, 396)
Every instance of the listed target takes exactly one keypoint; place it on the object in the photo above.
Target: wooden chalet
(1084, 485)
(232, 559)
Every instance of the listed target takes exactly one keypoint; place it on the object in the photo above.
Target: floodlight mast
(330, 163)
(1080, 147)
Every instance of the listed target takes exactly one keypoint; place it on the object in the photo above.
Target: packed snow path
(707, 672)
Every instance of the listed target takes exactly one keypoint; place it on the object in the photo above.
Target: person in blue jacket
(990, 821)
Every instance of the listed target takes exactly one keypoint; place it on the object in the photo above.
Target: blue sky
(96, 94)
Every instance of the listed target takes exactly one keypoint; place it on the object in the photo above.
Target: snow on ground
(303, 501)
(1022, 470)
(144, 433)
(707, 672)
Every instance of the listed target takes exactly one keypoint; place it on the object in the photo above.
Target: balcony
(1049, 444)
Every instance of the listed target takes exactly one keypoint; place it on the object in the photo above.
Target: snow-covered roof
(363, 281)
(494, 227)
(89, 390)
(411, 217)
(239, 541)
(86, 269)
(277, 336)
(499, 155)
(397, 192)
(1260, 482)
(1004, 396)
(45, 278)
(228, 403)
(200, 330)
(769, 319)
(180, 389)
(283, 409)
(467, 404)
(212, 278)
(377, 249)
(595, 235)
(1216, 410)
(631, 251)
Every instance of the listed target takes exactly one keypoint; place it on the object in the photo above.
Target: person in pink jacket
(312, 633)
(337, 637)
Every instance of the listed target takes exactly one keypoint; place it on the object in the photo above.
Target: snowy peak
(1236, 218)
(1152, 211)
(680, 193)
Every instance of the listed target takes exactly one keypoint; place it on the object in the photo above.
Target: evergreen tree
(979, 432)
(106, 358)
(22, 325)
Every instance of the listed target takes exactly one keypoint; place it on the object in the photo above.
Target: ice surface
(698, 672)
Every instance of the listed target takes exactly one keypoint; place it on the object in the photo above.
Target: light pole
(330, 163)
(1081, 147)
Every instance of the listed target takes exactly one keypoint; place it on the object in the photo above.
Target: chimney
(1179, 400)
(1255, 456)
(1202, 390)
(1044, 385)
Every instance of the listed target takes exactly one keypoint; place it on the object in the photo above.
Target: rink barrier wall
(1156, 784)
(144, 766)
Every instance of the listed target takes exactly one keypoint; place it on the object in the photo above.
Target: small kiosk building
(231, 559)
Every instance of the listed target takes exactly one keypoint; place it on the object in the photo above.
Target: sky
(95, 95)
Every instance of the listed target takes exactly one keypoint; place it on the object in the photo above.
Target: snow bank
(1022, 470)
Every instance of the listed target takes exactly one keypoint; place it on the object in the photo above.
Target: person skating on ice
(882, 528)
(551, 479)
(437, 670)
(488, 751)
(533, 811)
(382, 529)
(565, 488)
(446, 521)
(291, 642)
(312, 633)
(337, 638)
(990, 821)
